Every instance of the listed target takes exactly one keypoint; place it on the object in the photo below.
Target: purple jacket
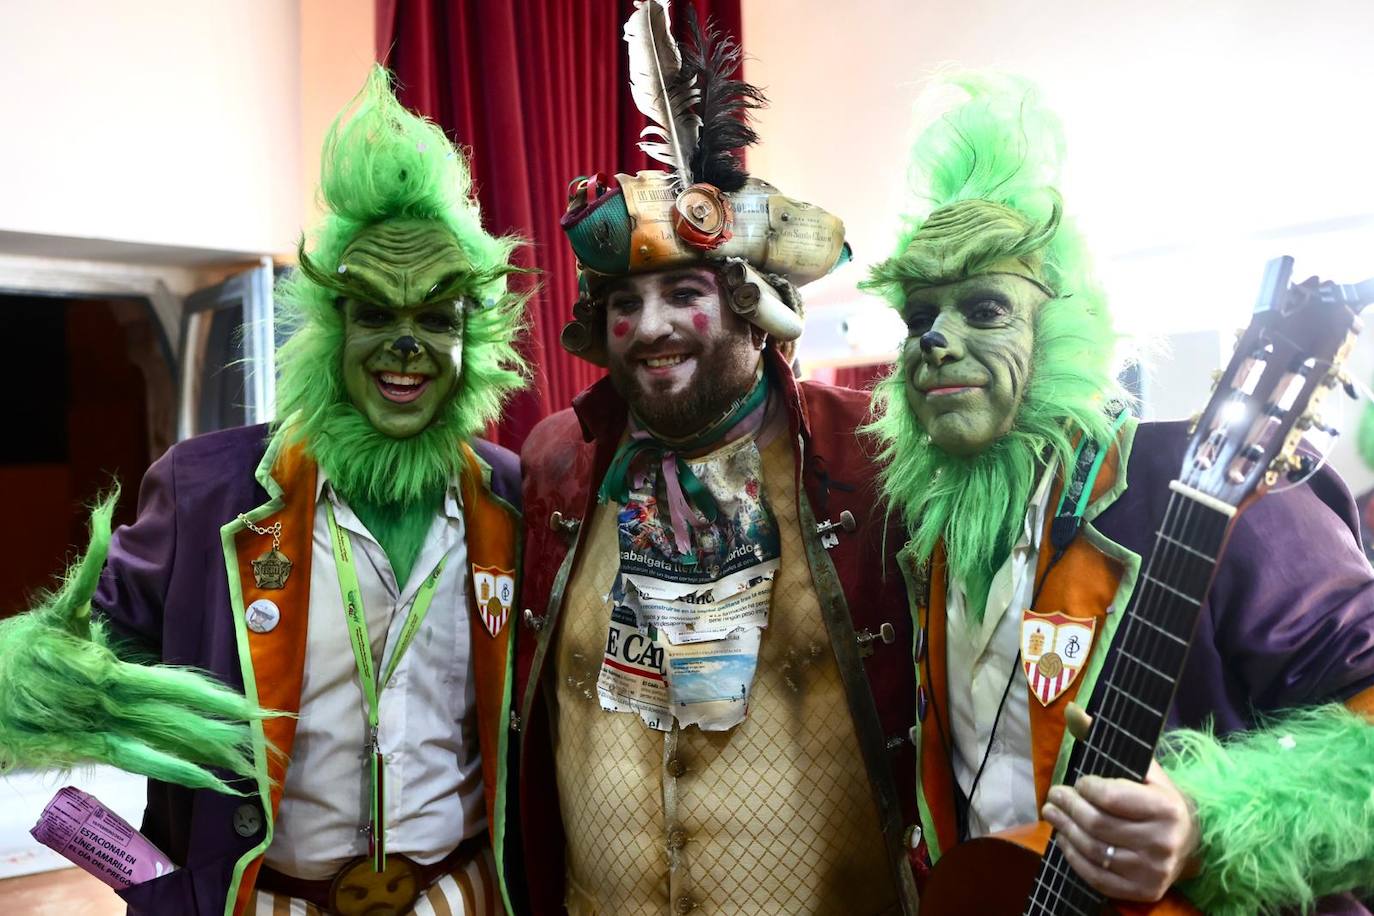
(165, 588)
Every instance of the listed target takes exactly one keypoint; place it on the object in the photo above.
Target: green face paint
(403, 323)
(966, 384)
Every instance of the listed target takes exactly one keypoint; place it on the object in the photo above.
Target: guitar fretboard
(1136, 689)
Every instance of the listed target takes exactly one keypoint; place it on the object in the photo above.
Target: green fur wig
(984, 177)
(70, 699)
(1286, 811)
(380, 162)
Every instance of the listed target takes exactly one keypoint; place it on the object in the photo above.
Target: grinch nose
(932, 339)
(406, 346)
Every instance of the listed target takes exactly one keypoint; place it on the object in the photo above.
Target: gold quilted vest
(773, 816)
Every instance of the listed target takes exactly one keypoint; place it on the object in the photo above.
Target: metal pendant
(271, 569)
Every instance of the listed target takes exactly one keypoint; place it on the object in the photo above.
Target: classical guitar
(1245, 440)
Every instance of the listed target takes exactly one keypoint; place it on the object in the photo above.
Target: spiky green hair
(381, 162)
(984, 178)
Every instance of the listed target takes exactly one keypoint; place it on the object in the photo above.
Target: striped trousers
(471, 890)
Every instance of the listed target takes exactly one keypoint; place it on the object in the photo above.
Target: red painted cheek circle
(701, 322)
(620, 328)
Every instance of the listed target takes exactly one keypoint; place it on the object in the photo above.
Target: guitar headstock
(1285, 362)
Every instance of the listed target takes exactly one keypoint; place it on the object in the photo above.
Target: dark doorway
(89, 401)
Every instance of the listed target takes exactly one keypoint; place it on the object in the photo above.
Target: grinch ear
(313, 273)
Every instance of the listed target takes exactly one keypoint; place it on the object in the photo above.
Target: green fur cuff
(1286, 811)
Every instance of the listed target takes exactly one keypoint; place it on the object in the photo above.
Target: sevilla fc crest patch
(495, 591)
(1054, 648)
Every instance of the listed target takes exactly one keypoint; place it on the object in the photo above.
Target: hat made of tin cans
(706, 209)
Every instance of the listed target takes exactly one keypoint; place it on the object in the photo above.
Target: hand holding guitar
(1129, 840)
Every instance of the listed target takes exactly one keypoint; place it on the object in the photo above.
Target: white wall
(1205, 136)
(337, 50)
(157, 122)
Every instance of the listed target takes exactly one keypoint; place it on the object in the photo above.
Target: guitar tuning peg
(1313, 420)
(1299, 466)
(1193, 422)
(1342, 378)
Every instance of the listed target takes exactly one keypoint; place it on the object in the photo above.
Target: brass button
(684, 904)
(677, 838)
(676, 767)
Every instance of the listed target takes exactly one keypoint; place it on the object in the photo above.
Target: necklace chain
(273, 530)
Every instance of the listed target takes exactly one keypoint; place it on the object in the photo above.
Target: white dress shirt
(428, 722)
(981, 657)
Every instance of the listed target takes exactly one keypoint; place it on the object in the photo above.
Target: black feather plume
(714, 59)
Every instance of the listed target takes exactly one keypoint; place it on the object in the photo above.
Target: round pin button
(247, 820)
(262, 615)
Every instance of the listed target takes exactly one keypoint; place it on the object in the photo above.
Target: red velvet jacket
(564, 460)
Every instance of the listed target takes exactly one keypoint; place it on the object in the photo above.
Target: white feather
(654, 64)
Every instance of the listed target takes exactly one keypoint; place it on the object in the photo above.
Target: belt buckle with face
(360, 891)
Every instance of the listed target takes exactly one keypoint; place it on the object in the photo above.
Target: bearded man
(698, 727)
(1003, 384)
(352, 565)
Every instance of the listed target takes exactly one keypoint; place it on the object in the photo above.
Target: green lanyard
(372, 687)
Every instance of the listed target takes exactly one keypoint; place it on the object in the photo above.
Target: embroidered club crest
(494, 589)
(1054, 648)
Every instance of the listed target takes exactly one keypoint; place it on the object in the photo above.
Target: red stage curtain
(537, 90)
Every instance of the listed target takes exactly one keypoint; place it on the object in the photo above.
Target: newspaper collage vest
(774, 815)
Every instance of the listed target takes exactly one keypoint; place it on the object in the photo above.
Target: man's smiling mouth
(662, 364)
(401, 387)
(947, 390)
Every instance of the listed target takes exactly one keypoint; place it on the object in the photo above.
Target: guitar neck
(1133, 696)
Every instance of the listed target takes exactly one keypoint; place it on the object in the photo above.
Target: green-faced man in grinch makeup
(1006, 372)
(1008, 351)
(404, 333)
(210, 637)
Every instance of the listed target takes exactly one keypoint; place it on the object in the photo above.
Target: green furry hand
(66, 698)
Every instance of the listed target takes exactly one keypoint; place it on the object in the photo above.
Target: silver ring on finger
(1107, 858)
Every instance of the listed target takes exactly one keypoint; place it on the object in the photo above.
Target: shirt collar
(1034, 530)
(453, 495)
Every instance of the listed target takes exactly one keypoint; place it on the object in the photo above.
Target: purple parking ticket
(79, 828)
